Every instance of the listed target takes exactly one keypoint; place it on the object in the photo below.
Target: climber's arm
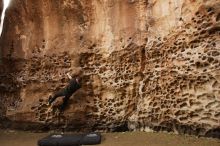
(69, 76)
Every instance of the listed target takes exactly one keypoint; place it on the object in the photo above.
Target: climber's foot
(49, 101)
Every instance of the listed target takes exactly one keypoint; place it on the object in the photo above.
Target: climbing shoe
(49, 100)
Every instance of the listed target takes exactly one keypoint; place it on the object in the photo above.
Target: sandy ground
(17, 138)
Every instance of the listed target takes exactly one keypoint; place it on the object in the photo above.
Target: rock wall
(146, 65)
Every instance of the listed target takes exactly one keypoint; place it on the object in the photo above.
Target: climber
(66, 93)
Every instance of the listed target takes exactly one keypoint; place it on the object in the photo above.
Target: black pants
(60, 94)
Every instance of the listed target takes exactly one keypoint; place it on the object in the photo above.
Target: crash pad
(70, 139)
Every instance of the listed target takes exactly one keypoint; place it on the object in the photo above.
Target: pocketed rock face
(169, 84)
(147, 65)
(179, 88)
(42, 41)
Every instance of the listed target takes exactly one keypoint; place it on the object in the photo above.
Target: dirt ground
(18, 138)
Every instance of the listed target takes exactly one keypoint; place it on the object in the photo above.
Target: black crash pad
(70, 139)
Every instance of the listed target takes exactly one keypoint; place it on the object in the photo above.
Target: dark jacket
(72, 87)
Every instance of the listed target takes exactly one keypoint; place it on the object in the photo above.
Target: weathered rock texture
(146, 64)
